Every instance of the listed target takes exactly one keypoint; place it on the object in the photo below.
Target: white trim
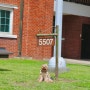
(8, 36)
(74, 9)
(8, 9)
(8, 6)
(11, 21)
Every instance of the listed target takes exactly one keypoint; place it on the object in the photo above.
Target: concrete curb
(75, 61)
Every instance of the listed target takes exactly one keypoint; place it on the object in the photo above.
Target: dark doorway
(85, 43)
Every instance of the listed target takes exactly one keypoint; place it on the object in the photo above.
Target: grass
(18, 74)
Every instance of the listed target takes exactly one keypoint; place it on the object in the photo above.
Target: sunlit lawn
(16, 74)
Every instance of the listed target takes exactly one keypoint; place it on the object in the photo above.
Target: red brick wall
(72, 28)
(38, 16)
(12, 44)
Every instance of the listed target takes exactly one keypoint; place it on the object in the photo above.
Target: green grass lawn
(18, 74)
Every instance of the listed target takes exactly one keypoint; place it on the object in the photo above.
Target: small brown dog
(44, 75)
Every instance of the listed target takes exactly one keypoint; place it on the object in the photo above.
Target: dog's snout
(43, 67)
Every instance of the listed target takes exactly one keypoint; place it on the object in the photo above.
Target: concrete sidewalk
(74, 61)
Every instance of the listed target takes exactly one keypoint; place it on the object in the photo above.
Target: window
(4, 21)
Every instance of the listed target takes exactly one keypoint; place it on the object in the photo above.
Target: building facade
(19, 26)
(76, 29)
(22, 20)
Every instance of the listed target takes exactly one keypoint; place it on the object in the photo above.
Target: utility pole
(56, 68)
(20, 28)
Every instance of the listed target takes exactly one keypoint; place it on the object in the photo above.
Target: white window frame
(10, 33)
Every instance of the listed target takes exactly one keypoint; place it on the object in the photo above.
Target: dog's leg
(50, 80)
(47, 78)
(40, 78)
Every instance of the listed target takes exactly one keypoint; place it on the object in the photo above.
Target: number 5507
(45, 41)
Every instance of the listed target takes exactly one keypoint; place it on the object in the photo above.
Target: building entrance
(85, 43)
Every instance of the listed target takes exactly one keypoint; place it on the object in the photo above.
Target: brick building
(17, 34)
(76, 29)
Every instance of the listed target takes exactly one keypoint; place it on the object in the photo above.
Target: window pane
(2, 28)
(7, 14)
(7, 21)
(2, 13)
(7, 28)
(0, 16)
(2, 20)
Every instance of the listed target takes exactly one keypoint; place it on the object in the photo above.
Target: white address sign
(46, 41)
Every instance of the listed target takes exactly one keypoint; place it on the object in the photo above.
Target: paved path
(74, 61)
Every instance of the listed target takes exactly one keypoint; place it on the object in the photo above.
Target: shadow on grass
(4, 69)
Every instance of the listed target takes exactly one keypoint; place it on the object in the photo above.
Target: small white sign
(46, 41)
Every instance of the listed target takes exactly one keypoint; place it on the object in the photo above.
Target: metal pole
(20, 28)
(56, 68)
